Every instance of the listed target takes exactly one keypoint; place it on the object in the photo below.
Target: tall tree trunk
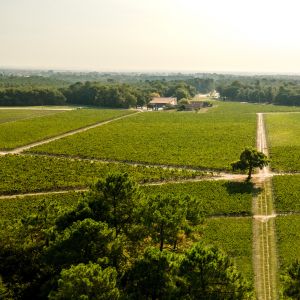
(161, 235)
(175, 244)
(250, 173)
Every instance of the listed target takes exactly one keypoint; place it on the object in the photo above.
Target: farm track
(264, 242)
(154, 183)
(79, 130)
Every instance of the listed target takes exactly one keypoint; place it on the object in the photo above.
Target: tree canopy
(250, 159)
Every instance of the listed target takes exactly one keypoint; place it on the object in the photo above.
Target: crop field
(284, 141)
(200, 140)
(234, 236)
(238, 107)
(21, 174)
(14, 209)
(286, 190)
(288, 236)
(11, 115)
(24, 132)
(215, 197)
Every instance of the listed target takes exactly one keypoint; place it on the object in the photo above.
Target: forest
(125, 90)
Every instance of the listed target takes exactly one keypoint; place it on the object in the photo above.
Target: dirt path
(41, 193)
(264, 242)
(46, 141)
(197, 179)
(36, 108)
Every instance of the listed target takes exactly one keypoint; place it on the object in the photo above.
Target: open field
(200, 140)
(234, 236)
(214, 197)
(21, 174)
(284, 141)
(24, 132)
(287, 193)
(11, 115)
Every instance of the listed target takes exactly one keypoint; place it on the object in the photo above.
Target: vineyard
(241, 108)
(287, 193)
(168, 154)
(11, 115)
(233, 235)
(188, 139)
(36, 173)
(288, 236)
(22, 132)
(284, 140)
(12, 210)
(213, 197)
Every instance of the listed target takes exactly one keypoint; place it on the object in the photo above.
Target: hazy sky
(151, 35)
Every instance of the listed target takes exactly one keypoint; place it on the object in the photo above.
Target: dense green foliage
(260, 91)
(37, 173)
(202, 140)
(28, 96)
(25, 132)
(126, 89)
(213, 197)
(81, 251)
(286, 190)
(292, 281)
(86, 282)
(284, 141)
(108, 93)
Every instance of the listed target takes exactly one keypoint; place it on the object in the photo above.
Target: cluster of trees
(98, 93)
(261, 91)
(115, 244)
(31, 96)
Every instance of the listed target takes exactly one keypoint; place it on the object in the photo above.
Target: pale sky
(151, 35)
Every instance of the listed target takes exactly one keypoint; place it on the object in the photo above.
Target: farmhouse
(161, 102)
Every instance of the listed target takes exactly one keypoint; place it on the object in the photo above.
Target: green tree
(118, 196)
(82, 242)
(113, 200)
(83, 282)
(207, 273)
(165, 216)
(152, 276)
(292, 281)
(250, 159)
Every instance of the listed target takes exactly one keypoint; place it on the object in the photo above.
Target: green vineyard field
(234, 236)
(210, 141)
(21, 174)
(287, 193)
(284, 141)
(215, 197)
(11, 115)
(24, 132)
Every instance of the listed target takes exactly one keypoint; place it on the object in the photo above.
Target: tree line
(262, 91)
(116, 243)
(103, 94)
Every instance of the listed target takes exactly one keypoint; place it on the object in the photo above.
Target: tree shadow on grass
(246, 187)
